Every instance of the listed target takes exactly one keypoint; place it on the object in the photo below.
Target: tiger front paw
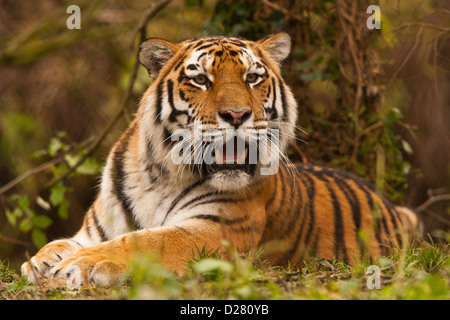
(89, 267)
(49, 256)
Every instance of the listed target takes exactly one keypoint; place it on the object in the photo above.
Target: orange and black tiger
(203, 161)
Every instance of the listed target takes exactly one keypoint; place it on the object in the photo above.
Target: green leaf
(407, 147)
(25, 225)
(391, 117)
(23, 202)
(11, 217)
(210, 265)
(54, 146)
(57, 193)
(89, 167)
(62, 209)
(39, 238)
(42, 221)
(71, 159)
(59, 170)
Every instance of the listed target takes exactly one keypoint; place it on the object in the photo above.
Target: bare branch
(29, 173)
(408, 56)
(421, 25)
(433, 200)
(15, 241)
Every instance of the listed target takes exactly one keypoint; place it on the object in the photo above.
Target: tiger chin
(172, 188)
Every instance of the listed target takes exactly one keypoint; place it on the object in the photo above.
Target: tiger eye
(251, 77)
(200, 79)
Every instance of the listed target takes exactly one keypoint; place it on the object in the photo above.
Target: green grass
(417, 272)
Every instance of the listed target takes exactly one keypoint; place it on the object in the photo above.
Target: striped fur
(149, 204)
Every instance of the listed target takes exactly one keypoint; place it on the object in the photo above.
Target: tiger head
(214, 89)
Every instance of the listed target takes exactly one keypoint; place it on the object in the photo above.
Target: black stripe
(201, 197)
(199, 43)
(100, 230)
(283, 99)
(356, 210)
(391, 212)
(353, 200)
(178, 65)
(208, 217)
(272, 198)
(183, 96)
(294, 212)
(364, 187)
(220, 219)
(170, 93)
(88, 226)
(237, 43)
(274, 102)
(119, 179)
(205, 46)
(181, 196)
(348, 193)
(201, 56)
(76, 242)
(339, 241)
(217, 200)
(311, 189)
(167, 135)
(159, 100)
(175, 112)
(305, 244)
(283, 188)
(297, 214)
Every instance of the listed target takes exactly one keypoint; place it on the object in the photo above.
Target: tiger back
(203, 161)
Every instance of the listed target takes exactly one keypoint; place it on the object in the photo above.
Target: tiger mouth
(227, 160)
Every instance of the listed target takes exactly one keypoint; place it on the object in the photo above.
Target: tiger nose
(235, 117)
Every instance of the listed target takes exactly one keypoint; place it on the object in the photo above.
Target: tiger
(150, 204)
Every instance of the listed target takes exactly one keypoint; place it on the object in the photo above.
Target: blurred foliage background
(374, 102)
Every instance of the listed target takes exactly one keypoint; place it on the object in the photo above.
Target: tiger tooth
(219, 157)
(241, 156)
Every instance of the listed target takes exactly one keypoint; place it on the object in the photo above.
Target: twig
(436, 217)
(29, 173)
(15, 241)
(433, 200)
(353, 52)
(410, 53)
(284, 11)
(151, 12)
(421, 25)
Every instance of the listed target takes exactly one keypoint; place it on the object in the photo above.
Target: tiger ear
(278, 46)
(155, 53)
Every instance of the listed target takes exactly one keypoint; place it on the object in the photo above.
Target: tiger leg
(40, 265)
(106, 263)
(56, 251)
